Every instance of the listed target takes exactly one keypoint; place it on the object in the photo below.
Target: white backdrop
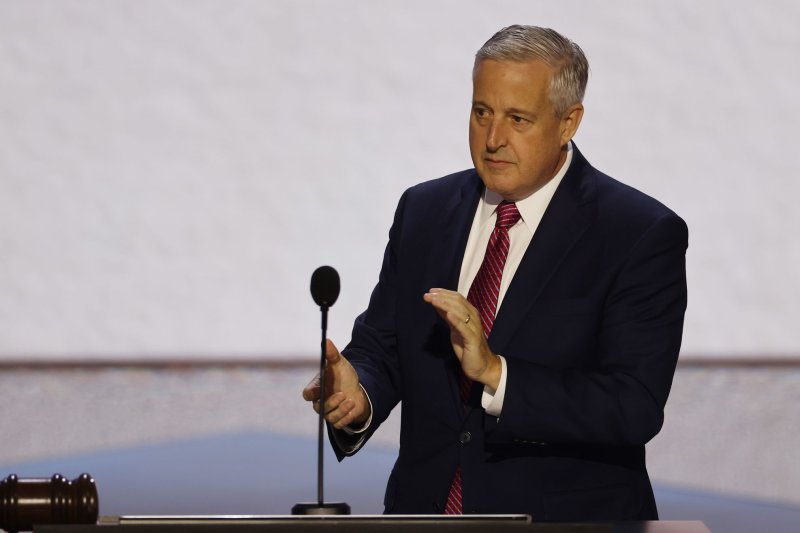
(171, 172)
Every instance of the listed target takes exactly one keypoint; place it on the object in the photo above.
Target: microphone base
(327, 508)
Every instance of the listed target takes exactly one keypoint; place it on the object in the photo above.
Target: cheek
(473, 133)
(539, 150)
(475, 141)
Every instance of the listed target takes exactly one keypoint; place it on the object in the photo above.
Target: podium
(362, 524)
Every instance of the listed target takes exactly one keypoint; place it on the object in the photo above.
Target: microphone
(325, 286)
(324, 290)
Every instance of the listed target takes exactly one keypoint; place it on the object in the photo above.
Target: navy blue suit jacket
(590, 328)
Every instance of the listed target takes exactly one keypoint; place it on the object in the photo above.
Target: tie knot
(507, 215)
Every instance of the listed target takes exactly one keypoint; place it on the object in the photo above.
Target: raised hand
(477, 360)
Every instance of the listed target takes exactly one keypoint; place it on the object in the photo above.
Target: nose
(495, 136)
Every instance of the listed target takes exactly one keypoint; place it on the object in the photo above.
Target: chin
(498, 184)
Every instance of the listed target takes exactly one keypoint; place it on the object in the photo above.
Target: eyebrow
(517, 111)
(509, 111)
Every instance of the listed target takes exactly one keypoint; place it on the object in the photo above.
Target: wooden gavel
(28, 501)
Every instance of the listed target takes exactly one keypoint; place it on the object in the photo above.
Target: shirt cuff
(492, 400)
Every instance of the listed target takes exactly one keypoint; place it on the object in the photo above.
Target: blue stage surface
(267, 473)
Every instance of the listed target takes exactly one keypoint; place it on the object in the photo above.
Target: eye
(480, 112)
(518, 119)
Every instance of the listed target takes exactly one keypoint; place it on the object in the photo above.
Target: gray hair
(525, 43)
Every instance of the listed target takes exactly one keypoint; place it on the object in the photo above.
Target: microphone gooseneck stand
(324, 290)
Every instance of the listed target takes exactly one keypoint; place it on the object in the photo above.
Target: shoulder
(619, 205)
(620, 213)
(636, 217)
(446, 185)
(617, 199)
(441, 194)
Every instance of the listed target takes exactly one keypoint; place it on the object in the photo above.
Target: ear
(570, 122)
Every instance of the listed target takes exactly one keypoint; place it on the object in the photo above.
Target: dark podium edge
(362, 523)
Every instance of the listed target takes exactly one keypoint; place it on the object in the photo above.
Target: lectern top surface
(360, 524)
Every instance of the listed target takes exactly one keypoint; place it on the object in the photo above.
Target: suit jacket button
(465, 437)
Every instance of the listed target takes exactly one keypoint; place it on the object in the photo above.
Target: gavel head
(25, 502)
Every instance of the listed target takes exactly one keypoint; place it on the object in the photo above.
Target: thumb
(332, 354)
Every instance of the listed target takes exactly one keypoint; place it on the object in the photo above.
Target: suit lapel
(443, 269)
(444, 261)
(569, 215)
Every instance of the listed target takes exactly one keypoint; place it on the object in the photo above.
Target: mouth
(497, 163)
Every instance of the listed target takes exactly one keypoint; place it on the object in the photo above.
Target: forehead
(512, 82)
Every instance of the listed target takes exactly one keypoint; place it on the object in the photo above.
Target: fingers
(348, 418)
(337, 400)
(340, 411)
(332, 403)
(456, 310)
(311, 391)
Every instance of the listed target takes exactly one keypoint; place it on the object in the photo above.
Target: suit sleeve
(373, 347)
(618, 397)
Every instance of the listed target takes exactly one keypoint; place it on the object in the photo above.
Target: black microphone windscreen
(325, 286)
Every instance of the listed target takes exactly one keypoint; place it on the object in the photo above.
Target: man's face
(516, 141)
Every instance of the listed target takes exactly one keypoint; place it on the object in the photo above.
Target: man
(528, 314)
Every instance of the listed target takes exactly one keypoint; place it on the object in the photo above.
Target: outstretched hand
(477, 360)
(345, 401)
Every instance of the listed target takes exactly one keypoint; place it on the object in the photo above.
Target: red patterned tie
(483, 295)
